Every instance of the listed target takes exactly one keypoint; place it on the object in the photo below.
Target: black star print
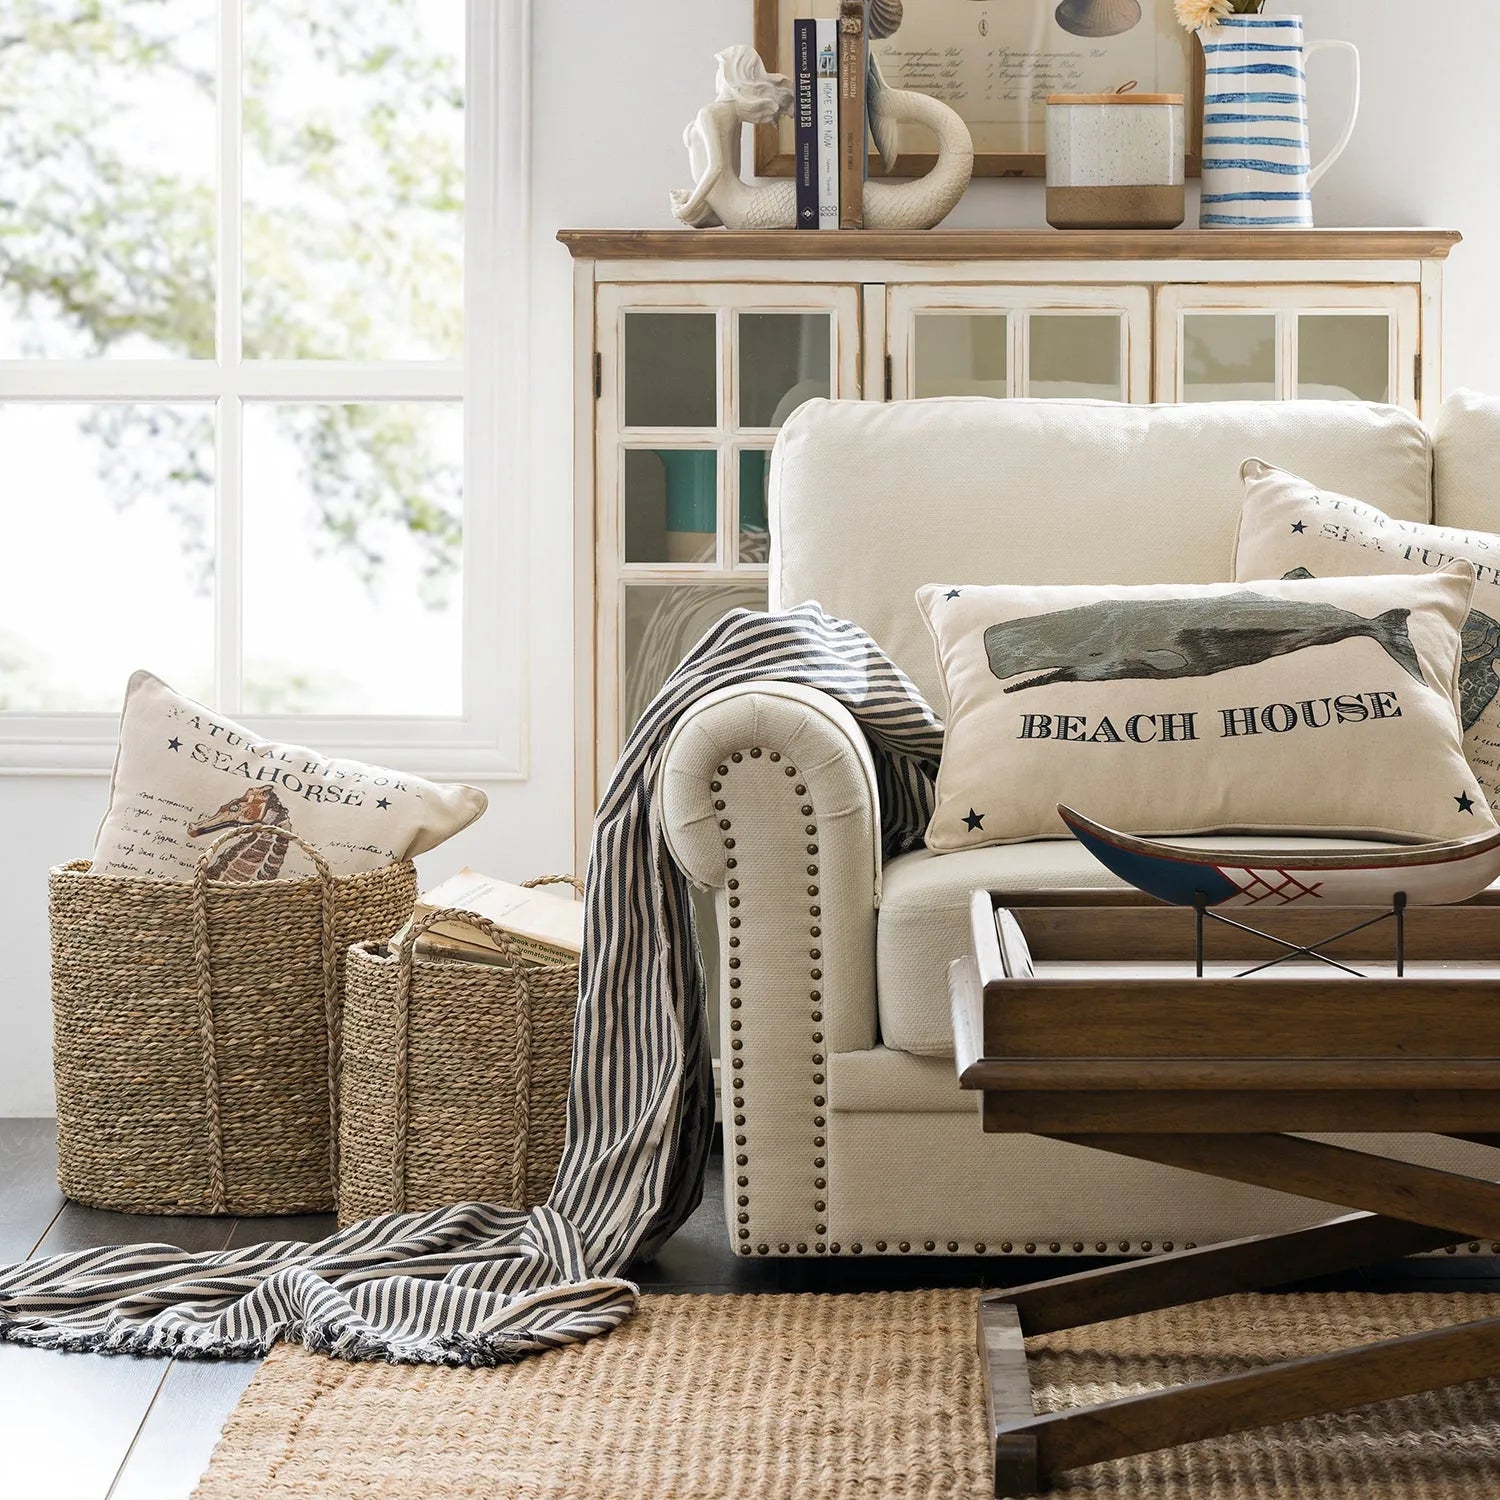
(174, 743)
(951, 594)
(1299, 527)
(975, 821)
(382, 803)
(1465, 803)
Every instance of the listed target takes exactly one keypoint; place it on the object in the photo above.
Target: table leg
(1258, 1398)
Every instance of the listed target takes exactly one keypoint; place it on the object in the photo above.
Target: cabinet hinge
(598, 375)
(1417, 376)
(887, 377)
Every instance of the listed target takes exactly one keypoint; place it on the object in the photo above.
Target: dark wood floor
(92, 1427)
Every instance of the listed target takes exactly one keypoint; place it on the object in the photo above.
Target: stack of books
(544, 927)
(831, 61)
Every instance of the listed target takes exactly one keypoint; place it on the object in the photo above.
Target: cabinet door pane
(783, 361)
(962, 354)
(671, 505)
(662, 623)
(671, 369)
(755, 478)
(1229, 357)
(1344, 357)
(1075, 354)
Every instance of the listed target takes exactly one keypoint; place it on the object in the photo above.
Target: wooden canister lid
(1114, 99)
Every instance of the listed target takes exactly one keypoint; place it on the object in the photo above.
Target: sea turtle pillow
(184, 775)
(1322, 707)
(1291, 528)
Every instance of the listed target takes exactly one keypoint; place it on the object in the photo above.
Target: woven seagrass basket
(196, 1033)
(455, 1079)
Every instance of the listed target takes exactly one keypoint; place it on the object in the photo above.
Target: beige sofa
(845, 1132)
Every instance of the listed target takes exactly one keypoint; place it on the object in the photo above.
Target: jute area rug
(833, 1397)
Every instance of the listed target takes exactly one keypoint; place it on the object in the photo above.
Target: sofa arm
(768, 798)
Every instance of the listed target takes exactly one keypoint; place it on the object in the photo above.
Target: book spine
(852, 114)
(804, 53)
(828, 123)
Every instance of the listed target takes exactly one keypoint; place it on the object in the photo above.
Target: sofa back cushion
(871, 500)
(1466, 463)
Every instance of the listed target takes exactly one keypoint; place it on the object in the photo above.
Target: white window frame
(490, 738)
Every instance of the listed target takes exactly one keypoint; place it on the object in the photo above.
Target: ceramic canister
(1115, 161)
(1258, 171)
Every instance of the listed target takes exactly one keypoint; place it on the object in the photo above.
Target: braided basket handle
(203, 973)
(521, 1058)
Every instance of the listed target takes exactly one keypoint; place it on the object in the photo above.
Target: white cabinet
(693, 346)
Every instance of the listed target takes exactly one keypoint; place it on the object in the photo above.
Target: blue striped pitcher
(1257, 160)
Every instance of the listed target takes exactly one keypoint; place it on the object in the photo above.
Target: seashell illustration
(1098, 17)
(885, 18)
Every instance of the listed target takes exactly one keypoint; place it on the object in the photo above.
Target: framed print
(995, 62)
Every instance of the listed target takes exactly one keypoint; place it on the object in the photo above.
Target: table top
(1085, 1013)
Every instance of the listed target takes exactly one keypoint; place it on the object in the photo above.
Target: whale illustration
(1479, 669)
(1160, 638)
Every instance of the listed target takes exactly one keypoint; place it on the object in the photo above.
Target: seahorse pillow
(1290, 528)
(1307, 707)
(184, 774)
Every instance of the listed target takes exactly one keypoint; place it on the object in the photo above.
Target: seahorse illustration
(256, 856)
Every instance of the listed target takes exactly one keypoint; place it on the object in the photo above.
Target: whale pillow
(1322, 706)
(1290, 527)
(185, 774)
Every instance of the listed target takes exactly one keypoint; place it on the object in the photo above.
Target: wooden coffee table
(1079, 1018)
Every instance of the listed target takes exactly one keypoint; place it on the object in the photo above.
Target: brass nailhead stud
(820, 1247)
(731, 864)
(1474, 1249)
(801, 791)
(1077, 1247)
(812, 890)
(729, 843)
(801, 1249)
(743, 1200)
(736, 1043)
(817, 1036)
(807, 809)
(1006, 1248)
(739, 1119)
(817, 1079)
(743, 1218)
(1030, 1249)
(723, 771)
(811, 828)
(1145, 1244)
(822, 1229)
(812, 848)
(776, 755)
(735, 1025)
(819, 1121)
(734, 885)
(716, 786)
(903, 1247)
(755, 753)
(817, 1057)
(812, 869)
(1054, 1247)
(719, 805)
(734, 984)
(739, 1140)
(854, 1249)
(833, 1249)
(979, 1248)
(1124, 1244)
(791, 770)
(1101, 1247)
(735, 921)
(820, 1207)
(818, 1141)
(816, 931)
(953, 1246)
(816, 973)
(817, 1161)
(930, 1245)
(734, 963)
(783, 1248)
(725, 823)
(736, 757)
(818, 1101)
(816, 911)
(820, 1182)
(734, 941)
(763, 1249)
(1166, 1244)
(741, 1160)
(880, 1245)
(815, 953)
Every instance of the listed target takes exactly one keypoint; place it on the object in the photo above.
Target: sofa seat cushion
(924, 919)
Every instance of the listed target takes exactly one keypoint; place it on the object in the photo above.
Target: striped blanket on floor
(479, 1284)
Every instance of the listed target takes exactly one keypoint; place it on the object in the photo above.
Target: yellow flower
(1194, 14)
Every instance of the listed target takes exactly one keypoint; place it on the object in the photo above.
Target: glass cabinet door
(1290, 343)
(694, 382)
(1084, 341)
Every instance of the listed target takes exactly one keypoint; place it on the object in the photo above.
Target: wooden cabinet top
(1010, 244)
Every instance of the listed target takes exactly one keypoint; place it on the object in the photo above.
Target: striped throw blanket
(478, 1284)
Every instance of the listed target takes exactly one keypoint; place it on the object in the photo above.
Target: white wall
(614, 85)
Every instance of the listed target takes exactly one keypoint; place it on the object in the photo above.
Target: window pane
(352, 543)
(108, 558)
(353, 179)
(663, 622)
(1075, 354)
(1229, 357)
(107, 209)
(671, 370)
(755, 483)
(671, 505)
(962, 354)
(1344, 357)
(784, 361)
